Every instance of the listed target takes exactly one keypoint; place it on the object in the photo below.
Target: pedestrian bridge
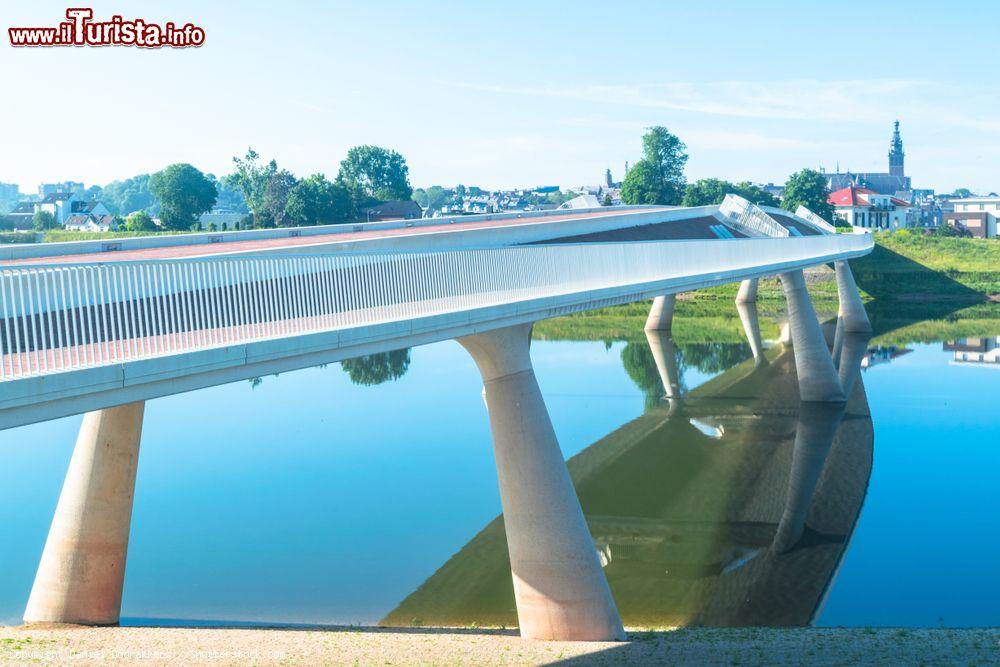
(101, 329)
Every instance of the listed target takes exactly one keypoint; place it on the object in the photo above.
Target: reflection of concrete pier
(661, 345)
(82, 570)
(751, 326)
(560, 590)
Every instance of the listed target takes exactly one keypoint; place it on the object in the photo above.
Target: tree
(183, 193)
(128, 196)
(711, 192)
(607, 201)
(139, 221)
(6, 224)
(962, 192)
(272, 211)
(230, 198)
(808, 188)
(433, 198)
(43, 220)
(374, 369)
(317, 201)
(251, 178)
(374, 174)
(658, 178)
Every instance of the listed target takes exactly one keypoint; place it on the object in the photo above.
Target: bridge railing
(749, 218)
(55, 318)
(815, 220)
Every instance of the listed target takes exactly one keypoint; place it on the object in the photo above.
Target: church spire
(896, 153)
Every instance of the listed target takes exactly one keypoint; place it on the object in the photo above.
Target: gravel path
(66, 645)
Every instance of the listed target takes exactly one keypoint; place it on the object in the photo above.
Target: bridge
(101, 327)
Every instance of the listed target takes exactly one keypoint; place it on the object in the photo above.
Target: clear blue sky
(514, 93)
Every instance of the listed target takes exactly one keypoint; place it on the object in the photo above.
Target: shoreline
(78, 645)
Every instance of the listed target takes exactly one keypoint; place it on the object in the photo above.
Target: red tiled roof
(849, 197)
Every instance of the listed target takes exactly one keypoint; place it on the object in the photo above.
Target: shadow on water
(905, 292)
(727, 505)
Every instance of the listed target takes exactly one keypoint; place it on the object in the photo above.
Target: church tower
(896, 154)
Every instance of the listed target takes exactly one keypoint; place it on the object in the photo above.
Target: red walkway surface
(212, 249)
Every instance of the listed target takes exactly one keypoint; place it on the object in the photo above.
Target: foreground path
(427, 646)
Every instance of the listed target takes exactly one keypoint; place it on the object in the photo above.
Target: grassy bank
(459, 646)
(916, 288)
(62, 235)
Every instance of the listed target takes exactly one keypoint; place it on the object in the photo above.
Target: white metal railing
(55, 318)
(815, 220)
(749, 219)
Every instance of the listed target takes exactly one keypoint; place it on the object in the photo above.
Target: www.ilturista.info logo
(82, 30)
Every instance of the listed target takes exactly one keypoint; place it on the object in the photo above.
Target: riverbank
(426, 646)
(916, 288)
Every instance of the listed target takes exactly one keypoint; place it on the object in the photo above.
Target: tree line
(658, 178)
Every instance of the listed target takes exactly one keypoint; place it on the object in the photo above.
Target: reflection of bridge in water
(106, 326)
(729, 505)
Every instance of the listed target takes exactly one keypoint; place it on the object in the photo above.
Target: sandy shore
(67, 645)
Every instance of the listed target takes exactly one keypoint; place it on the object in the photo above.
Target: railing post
(817, 376)
(82, 570)
(559, 588)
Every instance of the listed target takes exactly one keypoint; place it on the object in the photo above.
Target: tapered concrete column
(838, 342)
(559, 587)
(817, 427)
(661, 314)
(855, 346)
(751, 326)
(82, 570)
(661, 345)
(818, 379)
(852, 311)
(748, 291)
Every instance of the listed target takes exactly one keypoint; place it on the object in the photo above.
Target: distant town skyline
(462, 93)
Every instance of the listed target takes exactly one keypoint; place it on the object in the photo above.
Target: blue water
(309, 499)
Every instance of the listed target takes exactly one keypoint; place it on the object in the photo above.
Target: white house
(64, 207)
(89, 222)
(861, 207)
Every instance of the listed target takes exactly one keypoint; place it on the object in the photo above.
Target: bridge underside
(105, 338)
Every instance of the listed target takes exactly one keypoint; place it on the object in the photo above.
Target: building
(977, 215)
(862, 207)
(46, 189)
(221, 220)
(392, 210)
(975, 350)
(894, 182)
(63, 206)
(9, 192)
(89, 222)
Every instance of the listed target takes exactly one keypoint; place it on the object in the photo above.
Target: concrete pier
(559, 588)
(852, 310)
(817, 426)
(751, 327)
(661, 314)
(82, 569)
(818, 380)
(748, 291)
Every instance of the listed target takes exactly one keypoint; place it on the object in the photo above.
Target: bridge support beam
(751, 327)
(559, 587)
(818, 380)
(82, 570)
(748, 291)
(661, 314)
(852, 311)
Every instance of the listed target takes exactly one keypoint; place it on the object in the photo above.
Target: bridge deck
(243, 246)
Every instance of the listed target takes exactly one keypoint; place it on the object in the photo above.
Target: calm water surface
(309, 499)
